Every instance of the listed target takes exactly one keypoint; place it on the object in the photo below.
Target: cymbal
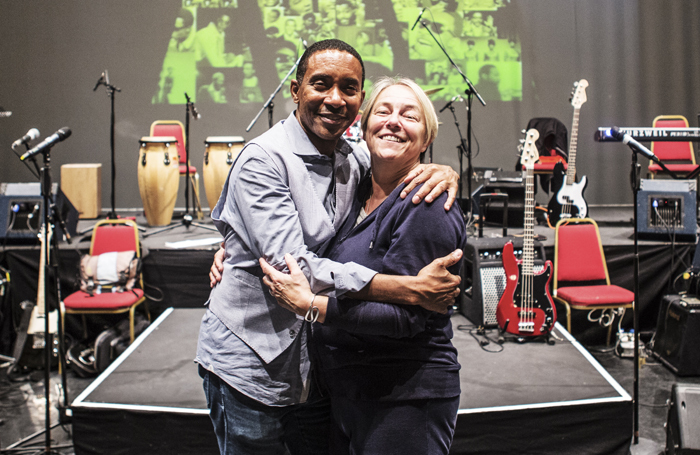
(433, 90)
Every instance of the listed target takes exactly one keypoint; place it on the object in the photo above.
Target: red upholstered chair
(581, 280)
(176, 129)
(678, 157)
(110, 236)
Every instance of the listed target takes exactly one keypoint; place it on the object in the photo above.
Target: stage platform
(176, 265)
(529, 398)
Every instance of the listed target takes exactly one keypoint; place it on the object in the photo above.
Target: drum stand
(186, 218)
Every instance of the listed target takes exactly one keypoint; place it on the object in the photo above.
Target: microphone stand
(462, 151)
(635, 183)
(51, 215)
(111, 89)
(186, 218)
(269, 103)
(470, 92)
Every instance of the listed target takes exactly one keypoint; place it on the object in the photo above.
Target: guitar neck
(571, 162)
(529, 231)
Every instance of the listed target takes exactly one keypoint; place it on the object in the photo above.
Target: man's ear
(294, 88)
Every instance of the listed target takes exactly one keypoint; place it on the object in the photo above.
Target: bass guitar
(567, 200)
(526, 308)
(31, 338)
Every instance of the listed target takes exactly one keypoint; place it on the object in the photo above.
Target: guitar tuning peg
(523, 131)
(522, 141)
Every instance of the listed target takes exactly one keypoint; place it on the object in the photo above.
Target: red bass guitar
(526, 308)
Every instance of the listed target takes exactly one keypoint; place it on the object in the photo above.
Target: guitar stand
(504, 336)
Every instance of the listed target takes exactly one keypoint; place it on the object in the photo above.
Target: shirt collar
(303, 145)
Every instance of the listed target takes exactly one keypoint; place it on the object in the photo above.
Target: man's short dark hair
(327, 45)
(486, 69)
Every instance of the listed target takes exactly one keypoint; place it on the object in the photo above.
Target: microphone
(47, 143)
(99, 82)
(634, 145)
(193, 110)
(106, 75)
(417, 20)
(449, 103)
(30, 136)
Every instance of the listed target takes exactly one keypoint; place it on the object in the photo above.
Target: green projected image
(237, 51)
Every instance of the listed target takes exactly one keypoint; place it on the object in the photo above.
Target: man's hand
(217, 267)
(436, 179)
(438, 287)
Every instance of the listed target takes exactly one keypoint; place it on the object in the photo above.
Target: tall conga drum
(159, 177)
(219, 154)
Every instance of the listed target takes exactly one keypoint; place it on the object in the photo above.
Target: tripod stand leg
(197, 204)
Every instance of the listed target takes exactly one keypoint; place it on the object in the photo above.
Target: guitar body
(532, 321)
(567, 200)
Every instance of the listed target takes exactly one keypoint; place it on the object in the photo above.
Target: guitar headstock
(530, 155)
(578, 94)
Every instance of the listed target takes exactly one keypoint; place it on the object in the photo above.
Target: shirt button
(292, 333)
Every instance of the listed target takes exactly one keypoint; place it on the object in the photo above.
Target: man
(288, 192)
(214, 92)
(209, 46)
(489, 79)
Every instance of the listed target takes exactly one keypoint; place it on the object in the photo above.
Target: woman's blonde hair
(428, 111)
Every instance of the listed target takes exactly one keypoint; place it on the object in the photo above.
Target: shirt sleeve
(421, 234)
(272, 228)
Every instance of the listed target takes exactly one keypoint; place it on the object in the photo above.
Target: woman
(390, 370)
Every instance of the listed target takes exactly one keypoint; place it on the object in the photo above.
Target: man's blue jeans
(245, 426)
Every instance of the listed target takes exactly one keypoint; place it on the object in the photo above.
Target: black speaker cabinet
(666, 208)
(677, 340)
(483, 277)
(683, 424)
(21, 211)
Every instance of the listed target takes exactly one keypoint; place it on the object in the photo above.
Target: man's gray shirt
(281, 196)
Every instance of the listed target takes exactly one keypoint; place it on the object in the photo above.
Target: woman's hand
(292, 290)
(436, 179)
(217, 267)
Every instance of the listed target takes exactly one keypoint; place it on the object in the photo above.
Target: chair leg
(132, 311)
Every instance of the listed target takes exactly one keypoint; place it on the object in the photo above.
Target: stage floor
(527, 398)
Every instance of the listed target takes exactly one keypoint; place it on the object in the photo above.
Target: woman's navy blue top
(379, 351)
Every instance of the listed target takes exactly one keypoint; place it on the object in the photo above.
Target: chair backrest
(115, 235)
(673, 151)
(172, 128)
(578, 252)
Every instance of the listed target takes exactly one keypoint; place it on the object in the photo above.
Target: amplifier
(666, 208)
(21, 211)
(511, 183)
(682, 435)
(483, 277)
(677, 339)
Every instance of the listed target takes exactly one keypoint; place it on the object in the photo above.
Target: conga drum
(219, 154)
(159, 177)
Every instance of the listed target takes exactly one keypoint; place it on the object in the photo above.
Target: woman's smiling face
(396, 129)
